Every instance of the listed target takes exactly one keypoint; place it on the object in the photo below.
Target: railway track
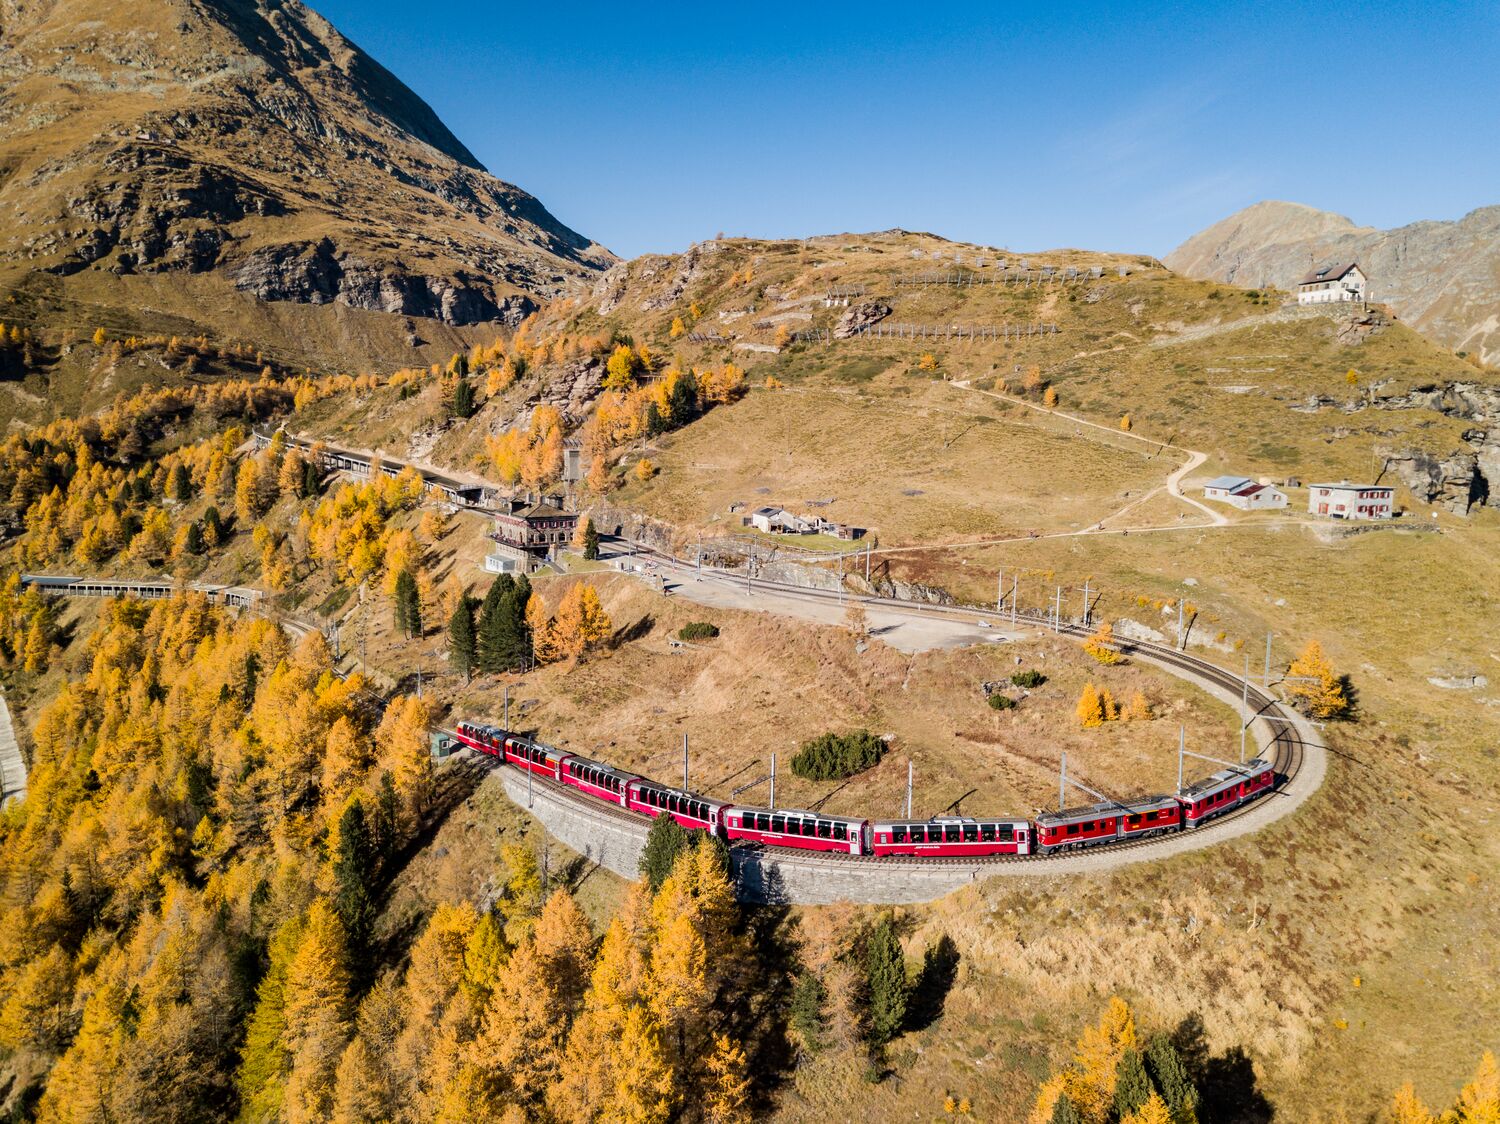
(1287, 748)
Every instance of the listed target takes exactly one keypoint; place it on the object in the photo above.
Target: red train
(940, 837)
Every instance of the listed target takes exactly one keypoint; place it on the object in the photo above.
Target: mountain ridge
(1442, 276)
(249, 141)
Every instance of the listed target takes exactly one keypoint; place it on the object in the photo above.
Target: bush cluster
(832, 757)
(1002, 702)
(698, 630)
(1031, 677)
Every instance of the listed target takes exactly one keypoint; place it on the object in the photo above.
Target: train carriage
(808, 831)
(483, 738)
(535, 757)
(692, 811)
(950, 836)
(1226, 789)
(1106, 822)
(604, 782)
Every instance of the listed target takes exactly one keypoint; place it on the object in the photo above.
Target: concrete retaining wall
(761, 877)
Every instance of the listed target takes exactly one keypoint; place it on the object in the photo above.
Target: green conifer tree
(1063, 1111)
(1171, 1077)
(462, 643)
(492, 647)
(353, 877)
(408, 606)
(180, 484)
(664, 842)
(1133, 1086)
(885, 971)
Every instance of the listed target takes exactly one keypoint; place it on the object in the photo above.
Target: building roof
(1250, 490)
(768, 511)
(537, 511)
(1329, 273)
(1345, 486)
(1228, 483)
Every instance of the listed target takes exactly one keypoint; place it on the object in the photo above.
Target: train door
(1021, 845)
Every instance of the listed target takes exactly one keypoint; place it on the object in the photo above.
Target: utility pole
(1085, 602)
(528, 786)
(908, 788)
(1057, 612)
(773, 780)
(1244, 707)
(1015, 593)
(1266, 682)
(841, 579)
(868, 544)
(999, 591)
(505, 702)
(419, 681)
(1181, 749)
(684, 762)
(1062, 782)
(1179, 622)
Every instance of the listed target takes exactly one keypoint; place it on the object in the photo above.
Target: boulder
(859, 317)
(1453, 481)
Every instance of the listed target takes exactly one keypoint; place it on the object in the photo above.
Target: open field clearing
(911, 467)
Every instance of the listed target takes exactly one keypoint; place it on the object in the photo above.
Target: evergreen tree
(309, 479)
(1063, 1112)
(353, 875)
(885, 972)
(1169, 1075)
(665, 840)
(682, 401)
(590, 541)
(517, 634)
(193, 543)
(808, 997)
(492, 648)
(462, 648)
(140, 488)
(408, 606)
(653, 420)
(180, 484)
(463, 399)
(386, 836)
(1132, 1084)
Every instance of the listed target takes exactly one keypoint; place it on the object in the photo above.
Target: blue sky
(1114, 127)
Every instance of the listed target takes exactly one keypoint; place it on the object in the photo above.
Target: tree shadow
(639, 630)
(1228, 1089)
(930, 991)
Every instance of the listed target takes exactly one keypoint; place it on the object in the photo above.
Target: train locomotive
(942, 837)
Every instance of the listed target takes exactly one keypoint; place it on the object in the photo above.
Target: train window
(840, 831)
(1072, 829)
(778, 823)
(898, 835)
(971, 833)
(950, 834)
(825, 829)
(987, 832)
(1007, 833)
(762, 822)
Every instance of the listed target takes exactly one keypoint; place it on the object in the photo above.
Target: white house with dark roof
(1244, 493)
(1332, 284)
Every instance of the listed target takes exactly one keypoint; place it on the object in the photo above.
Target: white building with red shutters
(1351, 501)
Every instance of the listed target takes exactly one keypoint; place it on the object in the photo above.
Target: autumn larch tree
(1313, 686)
(1090, 708)
(1102, 645)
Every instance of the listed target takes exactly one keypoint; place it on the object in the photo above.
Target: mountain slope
(245, 145)
(1442, 277)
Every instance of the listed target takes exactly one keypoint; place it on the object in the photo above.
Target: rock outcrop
(1443, 278)
(859, 317)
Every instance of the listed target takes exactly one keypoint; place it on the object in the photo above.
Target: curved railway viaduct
(614, 837)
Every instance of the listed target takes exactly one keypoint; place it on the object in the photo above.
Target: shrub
(832, 757)
(1031, 677)
(698, 630)
(1002, 702)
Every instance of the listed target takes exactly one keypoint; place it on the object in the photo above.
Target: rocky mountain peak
(249, 140)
